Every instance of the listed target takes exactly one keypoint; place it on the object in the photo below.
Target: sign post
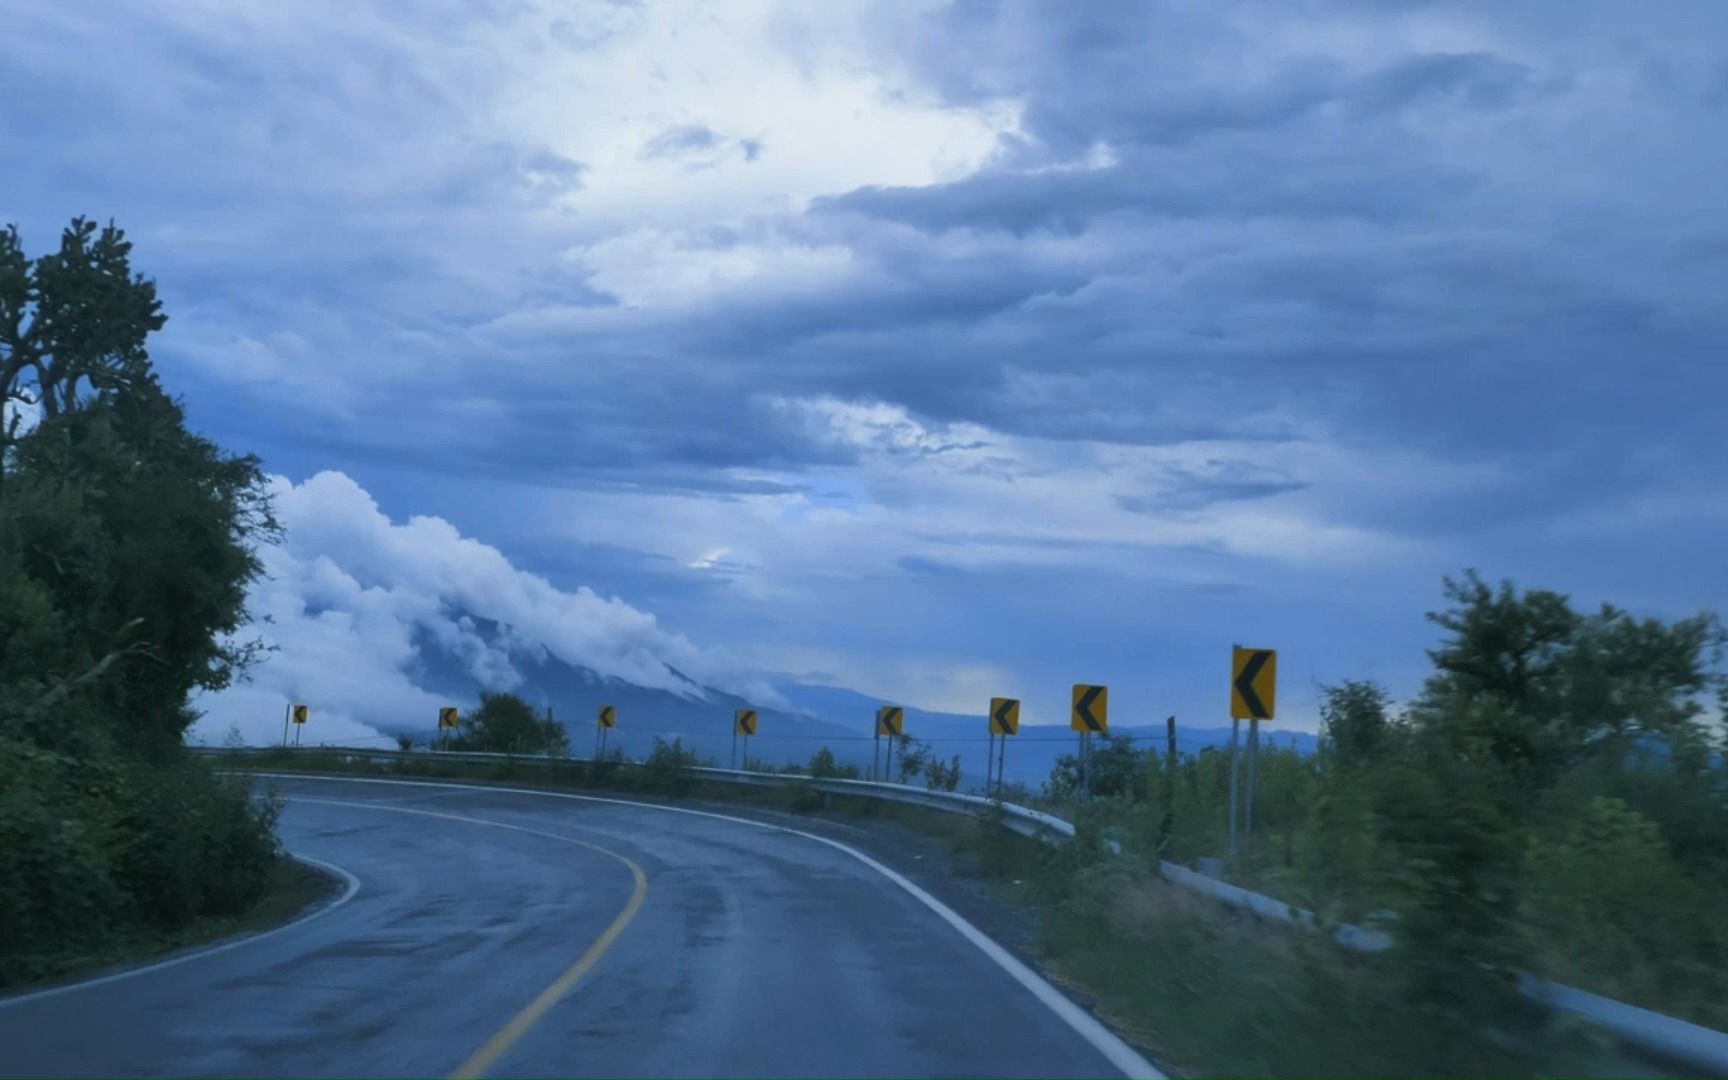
(743, 723)
(1167, 822)
(890, 721)
(1253, 689)
(286, 711)
(447, 719)
(1004, 721)
(300, 714)
(605, 719)
(1090, 716)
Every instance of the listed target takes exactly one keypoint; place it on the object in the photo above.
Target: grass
(294, 887)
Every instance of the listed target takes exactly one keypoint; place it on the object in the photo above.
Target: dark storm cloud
(1161, 185)
(1211, 223)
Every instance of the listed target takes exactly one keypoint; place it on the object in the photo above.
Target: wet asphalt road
(740, 950)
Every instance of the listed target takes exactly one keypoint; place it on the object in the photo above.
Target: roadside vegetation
(125, 553)
(1553, 801)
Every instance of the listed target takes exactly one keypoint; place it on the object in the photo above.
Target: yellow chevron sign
(890, 720)
(744, 722)
(608, 716)
(1004, 716)
(447, 716)
(1091, 708)
(1253, 683)
(300, 713)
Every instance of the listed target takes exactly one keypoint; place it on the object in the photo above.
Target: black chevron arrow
(1084, 707)
(1245, 684)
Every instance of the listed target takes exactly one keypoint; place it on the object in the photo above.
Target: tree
(126, 548)
(1116, 769)
(1535, 686)
(72, 321)
(1353, 721)
(912, 757)
(144, 536)
(942, 775)
(824, 765)
(127, 539)
(506, 724)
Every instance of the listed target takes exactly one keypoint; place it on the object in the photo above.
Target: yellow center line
(519, 1025)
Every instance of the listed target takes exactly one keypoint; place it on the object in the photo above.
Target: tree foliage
(506, 724)
(1115, 770)
(72, 322)
(1353, 722)
(1554, 800)
(825, 766)
(126, 547)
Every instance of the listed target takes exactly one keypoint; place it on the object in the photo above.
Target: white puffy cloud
(348, 593)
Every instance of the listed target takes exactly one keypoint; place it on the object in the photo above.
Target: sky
(939, 350)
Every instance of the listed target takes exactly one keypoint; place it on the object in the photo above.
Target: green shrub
(190, 843)
(58, 892)
(667, 767)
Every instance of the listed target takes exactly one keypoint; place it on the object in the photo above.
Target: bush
(824, 766)
(58, 892)
(667, 766)
(92, 852)
(191, 844)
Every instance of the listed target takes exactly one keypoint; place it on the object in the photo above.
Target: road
(509, 933)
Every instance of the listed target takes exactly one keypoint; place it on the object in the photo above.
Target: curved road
(508, 933)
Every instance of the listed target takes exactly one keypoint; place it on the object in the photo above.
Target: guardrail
(1665, 1037)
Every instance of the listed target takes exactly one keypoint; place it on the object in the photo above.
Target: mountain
(700, 715)
(841, 719)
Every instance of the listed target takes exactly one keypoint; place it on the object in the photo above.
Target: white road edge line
(1084, 1024)
(352, 886)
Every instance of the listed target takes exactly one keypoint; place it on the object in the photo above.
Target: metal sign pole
(1253, 757)
(734, 744)
(1085, 766)
(286, 710)
(1169, 823)
(989, 760)
(1235, 726)
(1001, 760)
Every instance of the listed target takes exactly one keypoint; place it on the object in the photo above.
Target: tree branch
(96, 671)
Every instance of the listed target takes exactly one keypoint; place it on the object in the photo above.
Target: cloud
(348, 596)
(698, 146)
(975, 332)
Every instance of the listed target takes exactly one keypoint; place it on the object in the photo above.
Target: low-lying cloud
(348, 596)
